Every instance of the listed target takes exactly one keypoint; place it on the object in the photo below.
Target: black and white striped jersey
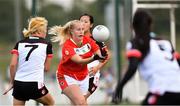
(32, 53)
(159, 68)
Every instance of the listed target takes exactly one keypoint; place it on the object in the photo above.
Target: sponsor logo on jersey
(83, 50)
(66, 52)
(43, 91)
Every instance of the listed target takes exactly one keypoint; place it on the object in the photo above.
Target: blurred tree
(7, 20)
(96, 9)
(161, 21)
(55, 14)
(77, 9)
(177, 12)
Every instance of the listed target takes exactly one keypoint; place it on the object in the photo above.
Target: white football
(101, 33)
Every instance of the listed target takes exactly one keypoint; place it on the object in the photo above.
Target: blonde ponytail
(62, 33)
(26, 32)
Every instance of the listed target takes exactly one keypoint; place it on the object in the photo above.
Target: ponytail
(142, 22)
(26, 32)
(62, 33)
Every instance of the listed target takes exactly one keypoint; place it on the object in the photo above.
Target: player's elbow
(46, 69)
(79, 61)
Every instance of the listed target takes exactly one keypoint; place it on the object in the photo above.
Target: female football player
(157, 62)
(95, 66)
(77, 51)
(31, 57)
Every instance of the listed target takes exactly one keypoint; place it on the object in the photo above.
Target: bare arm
(132, 68)
(13, 66)
(97, 56)
(102, 63)
(95, 69)
(76, 58)
(47, 64)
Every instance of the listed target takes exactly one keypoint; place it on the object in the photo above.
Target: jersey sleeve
(67, 53)
(15, 49)
(49, 50)
(177, 57)
(132, 52)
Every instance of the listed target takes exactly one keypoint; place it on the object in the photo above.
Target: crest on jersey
(152, 99)
(61, 83)
(43, 91)
(66, 52)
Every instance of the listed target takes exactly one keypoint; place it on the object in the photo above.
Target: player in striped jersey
(157, 62)
(31, 57)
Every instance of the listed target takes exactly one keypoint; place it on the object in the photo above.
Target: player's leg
(70, 87)
(93, 84)
(46, 99)
(92, 87)
(42, 95)
(74, 93)
(17, 102)
(19, 96)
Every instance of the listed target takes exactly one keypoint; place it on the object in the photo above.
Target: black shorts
(28, 90)
(92, 86)
(169, 98)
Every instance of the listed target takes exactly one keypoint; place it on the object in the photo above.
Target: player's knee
(80, 101)
(49, 101)
(52, 102)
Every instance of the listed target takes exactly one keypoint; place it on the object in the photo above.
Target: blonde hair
(62, 33)
(36, 25)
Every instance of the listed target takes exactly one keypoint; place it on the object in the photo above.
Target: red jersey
(70, 68)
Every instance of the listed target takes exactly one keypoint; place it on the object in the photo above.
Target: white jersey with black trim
(32, 53)
(160, 69)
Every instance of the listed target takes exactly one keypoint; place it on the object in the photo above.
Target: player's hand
(117, 95)
(10, 86)
(104, 51)
(97, 57)
(93, 71)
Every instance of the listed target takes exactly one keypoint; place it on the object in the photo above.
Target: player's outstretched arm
(13, 65)
(133, 64)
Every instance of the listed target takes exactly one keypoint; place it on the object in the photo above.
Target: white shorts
(83, 84)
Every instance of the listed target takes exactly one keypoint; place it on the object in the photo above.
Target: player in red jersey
(77, 51)
(30, 58)
(95, 66)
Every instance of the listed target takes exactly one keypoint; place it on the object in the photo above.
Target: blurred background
(115, 14)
